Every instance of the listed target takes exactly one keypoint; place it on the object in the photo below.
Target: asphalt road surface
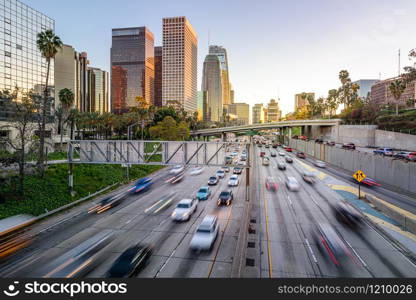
(281, 247)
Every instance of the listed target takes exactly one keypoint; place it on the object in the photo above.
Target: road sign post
(359, 176)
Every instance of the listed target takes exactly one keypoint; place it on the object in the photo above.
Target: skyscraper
(21, 63)
(221, 52)
(212, 84)
(132, 56)
(179, 64)
(242, 111)
(202, 106)
(98, 90)
(365, 86)
(158, 75)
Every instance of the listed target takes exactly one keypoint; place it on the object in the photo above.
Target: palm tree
(48, 44)
(72, 120)
(344, 77)
(397, 88)
(66, 96)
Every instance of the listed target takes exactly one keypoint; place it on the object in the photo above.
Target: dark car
(319, 141)
(274, 146)
(301, 155)
(107, 203)
(349, 146)
(347, 215)
(288, 159)
(262, 153)
(141, 185)
(402, 155)
(130, 262)
(272, 154)
(226, 197)
(330, 144)
(309, 177)
(213, 180)
(237, 170)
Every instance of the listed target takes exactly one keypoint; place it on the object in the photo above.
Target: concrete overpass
(310, 128)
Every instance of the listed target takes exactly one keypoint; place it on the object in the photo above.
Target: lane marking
(314, 201)
(311, 251)
(290, 201)
(356, 254)
(146, 210)
(268, 240)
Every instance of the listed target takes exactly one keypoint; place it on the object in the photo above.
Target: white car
(234, 153)
(220, 174)
(319, 164)
(184, 209)
(196, 171)
(206, 234)
(292, 184)
(176, 170)
(282, 154)
(233, 180)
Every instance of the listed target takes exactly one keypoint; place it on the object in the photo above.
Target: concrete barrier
(397, 173)
(395, 140)
(408, 224)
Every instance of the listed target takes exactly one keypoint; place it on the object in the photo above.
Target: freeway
(132, 223)
(288, 219)
(282, 244)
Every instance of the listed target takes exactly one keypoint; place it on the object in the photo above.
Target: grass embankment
(43, 195)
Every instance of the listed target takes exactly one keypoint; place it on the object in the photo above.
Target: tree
(48, 44)
(23, 123)
(66, 97)
(71, 120)
(397, 88)
(170, 130)
(332, 101)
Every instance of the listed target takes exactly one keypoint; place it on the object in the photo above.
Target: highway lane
(287, 233)
(132, 225)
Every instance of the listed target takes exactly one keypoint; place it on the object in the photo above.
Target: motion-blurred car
(78, 261)
(213, 180)
(319, 164)
(130, 262)
(220, 174)
(176, 170)
(203, 193)
(226, 197)
(384, 151)
(184, 209)
(12, 238)
(412, 156)
(370, 182)
(292, 184)
(309, 177)
(401, 155)
(233, 181)
(196, 171)
(301, 155)
(347, 215)
(141, 185)
(271, 184)
(176, 178)
(206, 234)
(237, 170)
(349, 146)
(107, 203)
(319, 141)
(330, 143)
(331, 243)
(281, 153)
(273, 154)
(281, 166)
(288, 159)
(288, 149)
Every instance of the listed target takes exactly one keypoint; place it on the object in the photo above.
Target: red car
(288, 149)
(262, 153)
(301, 155)
(271, 184)
(349, 146)
(412, 156)
(370, 182)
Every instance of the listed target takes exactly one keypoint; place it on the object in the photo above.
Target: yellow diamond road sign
(359, 176)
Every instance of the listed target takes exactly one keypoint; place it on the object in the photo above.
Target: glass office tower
(21, 63)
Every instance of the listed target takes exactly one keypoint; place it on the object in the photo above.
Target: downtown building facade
(301, 102)
(242, 111)
(21, 63)
(132, 68)
(179, 64)
(158, 75)
(98, 90)
(212, 85)
(381, 95)
(221, 53)
(365, 86)
(259, 114)
(274, 114)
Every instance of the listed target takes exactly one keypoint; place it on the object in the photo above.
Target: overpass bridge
(310, 128)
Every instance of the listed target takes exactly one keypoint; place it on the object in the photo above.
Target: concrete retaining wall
(361, 135)
(397, 173)
(408, 224)
(395, 140)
